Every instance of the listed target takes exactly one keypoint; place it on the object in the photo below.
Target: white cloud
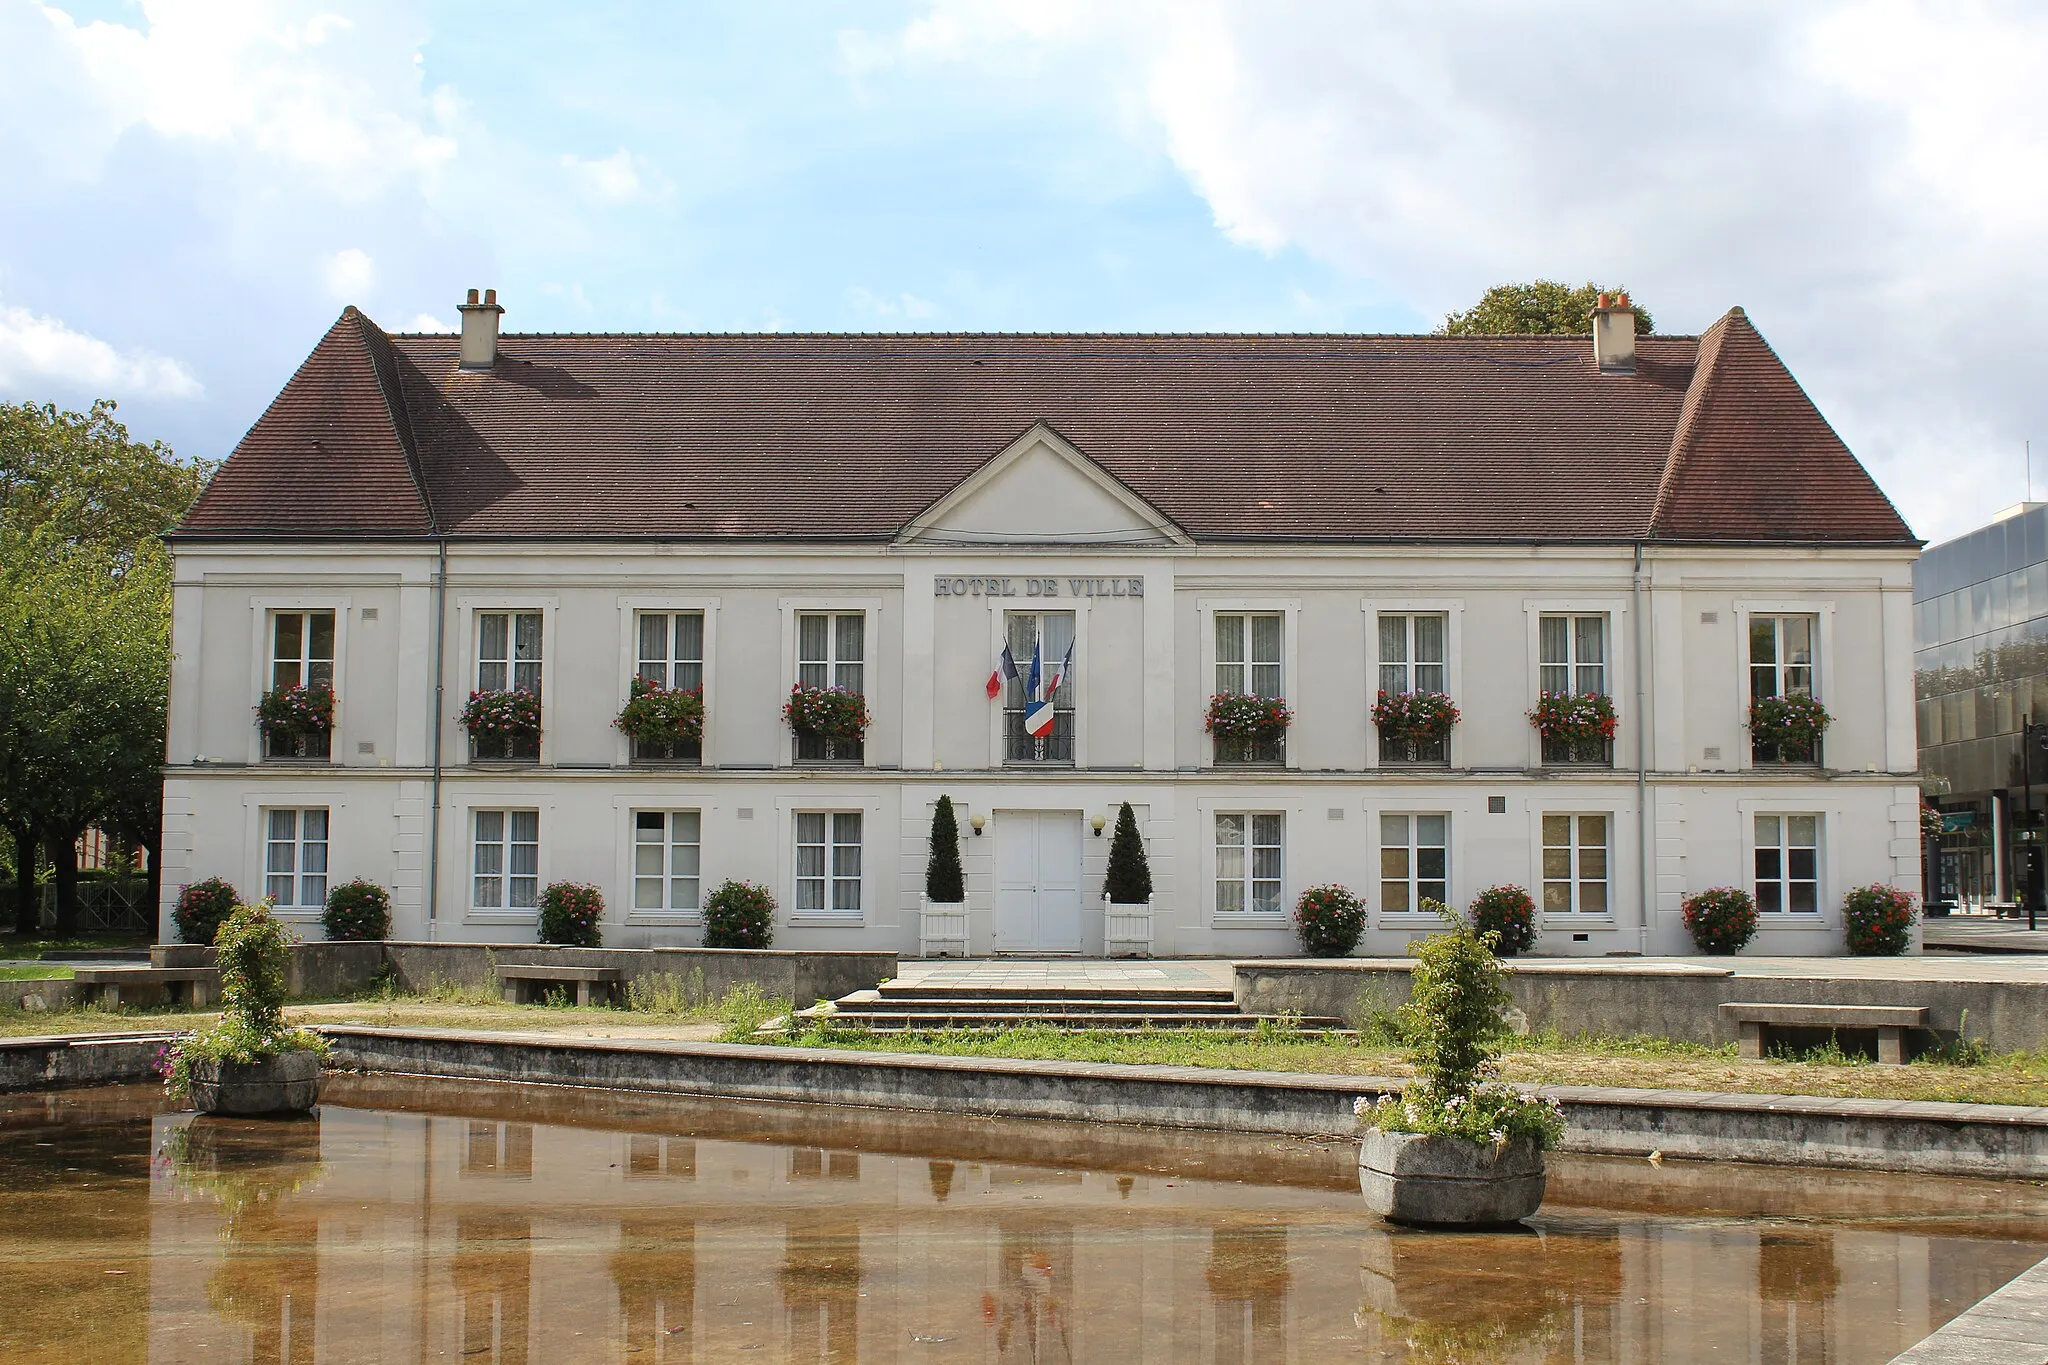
(616, 179)
(349, 273)
(904, 305)
(427, 322)
(1864, 177)
(37, 351)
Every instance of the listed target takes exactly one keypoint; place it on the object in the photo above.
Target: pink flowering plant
(501, 715)
(838, 714)
(1575, 717)
(292, 711)
(1930, 821)
(572, 914)
(1507, 914)
(1417, 717)
(1237, 716)
(1791, 725)
(1720, 919)
(1879, 920)
(654, 714)
(1330, 921)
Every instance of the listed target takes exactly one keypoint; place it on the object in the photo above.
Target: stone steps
(891, 1008)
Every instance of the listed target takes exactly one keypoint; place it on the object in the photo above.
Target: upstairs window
(1412, 651)
(831, 651)
(1249, 649)
(1781, 664)
(671, 653)
(301, 655)
(1572, 660)
(508, 659)
(1052, 635)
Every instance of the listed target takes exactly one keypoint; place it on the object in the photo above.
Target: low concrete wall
(1676, 1000)
(59, 1063)
(334, 969)
(2009, 1327)
(48, 994)
(1888, 1135)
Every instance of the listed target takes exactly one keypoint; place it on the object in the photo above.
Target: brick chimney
(480, 331)
(1614, 335)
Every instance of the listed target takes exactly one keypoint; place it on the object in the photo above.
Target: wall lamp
(1099, 821)
(977, 820)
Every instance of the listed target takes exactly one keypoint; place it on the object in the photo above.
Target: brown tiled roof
(848, 437)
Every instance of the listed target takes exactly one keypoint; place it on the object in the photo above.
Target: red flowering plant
(1417, 717)
(1575, 717)
(291, 711)
(654, 714)
(837, 714)
(1236, 716)
(1720, 919)
(1330, 921)
(1508, 914)
(1878, 920)
(501, 715)
(571, 913)
(1790, 727)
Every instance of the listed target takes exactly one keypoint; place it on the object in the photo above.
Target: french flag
(1006, 668)
(1039, 715)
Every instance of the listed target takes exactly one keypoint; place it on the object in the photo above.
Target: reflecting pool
(414, 1220)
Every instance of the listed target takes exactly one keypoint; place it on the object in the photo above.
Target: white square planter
(1126, 929)
(941, 928)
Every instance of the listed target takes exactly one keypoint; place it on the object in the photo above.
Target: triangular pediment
(1041, 490)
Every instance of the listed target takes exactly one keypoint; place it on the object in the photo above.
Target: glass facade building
(1980, 673)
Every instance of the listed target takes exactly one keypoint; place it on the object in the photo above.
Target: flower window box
(1248, 729)
(504, 726)
(665, 724)
(829, 723)
(1414, 727)
(297, 722)
(1787, 730)
(1578, 729)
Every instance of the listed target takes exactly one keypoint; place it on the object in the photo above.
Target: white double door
(1038, 881)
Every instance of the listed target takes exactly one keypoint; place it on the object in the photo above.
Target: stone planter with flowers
(1456, 1147)
(250, 1062)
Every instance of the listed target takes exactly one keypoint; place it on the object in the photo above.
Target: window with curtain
(1052, 634)
(1572, 659)
(301, 655)
(828, 862)
(295, 858)
(1781, 664)
(1412, 651)
(831, 651)
(505, 864)
(1249, 649)
(671, 655)
(1248, 862)
(508, 659)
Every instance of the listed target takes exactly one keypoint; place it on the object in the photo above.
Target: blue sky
(202, 186)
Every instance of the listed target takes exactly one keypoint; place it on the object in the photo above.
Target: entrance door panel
(1038, 881)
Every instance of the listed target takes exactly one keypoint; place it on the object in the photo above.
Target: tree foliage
(1129, 881)
(1538, 308)
(944, 882)
(84, 634)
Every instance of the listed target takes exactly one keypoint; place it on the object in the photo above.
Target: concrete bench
(1890, 1021)
(525, 985)
(193, 986)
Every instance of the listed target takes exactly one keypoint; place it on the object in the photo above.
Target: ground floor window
(295, 858)
(1575, 864)
(828, 861)
(507, 860)
(1414, 861)
(1248, 862)
(1788, 864)
(667, 847)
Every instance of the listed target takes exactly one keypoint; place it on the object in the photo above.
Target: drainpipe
(1643, 841)
(440, 711)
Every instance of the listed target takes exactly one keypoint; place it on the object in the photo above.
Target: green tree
(1129, 880)
(944, 884)
(1539, 308)
(84, 682)
(81, 477)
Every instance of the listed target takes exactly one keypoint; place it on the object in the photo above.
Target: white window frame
(1615, 609)
(1206, 611)
(504, 913)
(1828, 917)
(999, 609)
(1823, 659)
(1247, 916)
(255, 829)
(305, 660)
(299, 844)
(630, 610)
(469, 642)
(1414, 914)
(831, 879)
(873, 678)
(631, 876)
(1614, 879)
(1453, 612)
(261, 610)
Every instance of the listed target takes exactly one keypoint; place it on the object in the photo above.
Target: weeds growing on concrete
(667, 993)
(743, 1009)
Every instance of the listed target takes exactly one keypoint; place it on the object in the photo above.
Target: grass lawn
(34, 946)
(1633, 1063)
(53, 972)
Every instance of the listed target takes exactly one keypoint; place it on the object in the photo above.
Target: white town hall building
(1666, 522)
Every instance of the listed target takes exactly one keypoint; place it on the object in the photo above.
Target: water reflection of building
(1980, 669)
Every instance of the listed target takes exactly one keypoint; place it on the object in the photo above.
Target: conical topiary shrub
(1129, 881)
(943, 882)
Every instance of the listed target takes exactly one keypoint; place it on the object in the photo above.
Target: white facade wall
(1144, 669)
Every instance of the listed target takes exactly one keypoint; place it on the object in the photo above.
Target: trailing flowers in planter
(1251, 727)
(1787, 728)
(1418, 717)
(250, 1062)
(1457, 1146)
(837, 715)
(501, 715)
(292, 711)
(1576, 726)
(654, 714)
